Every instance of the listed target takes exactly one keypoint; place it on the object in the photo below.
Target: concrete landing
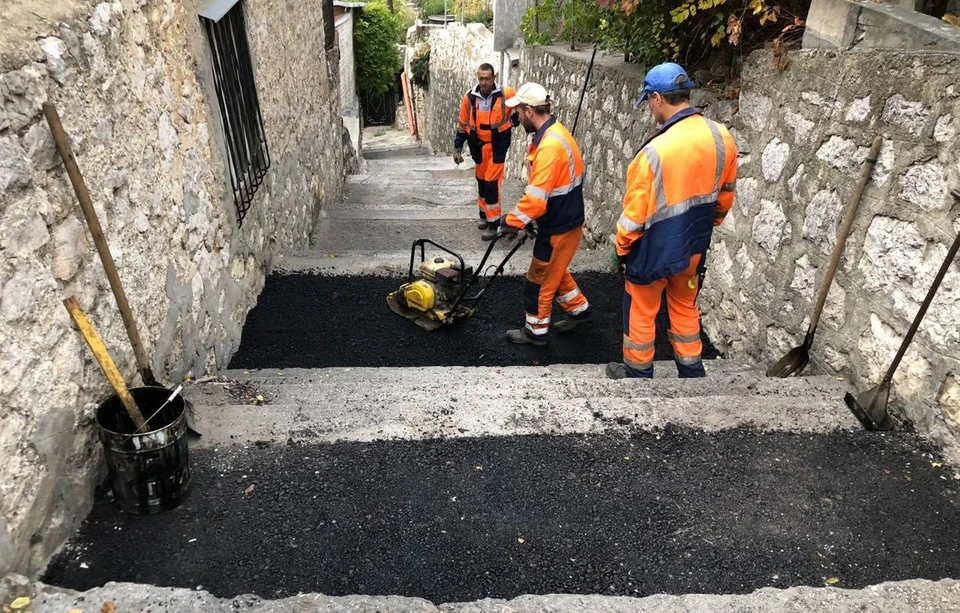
(404, 195)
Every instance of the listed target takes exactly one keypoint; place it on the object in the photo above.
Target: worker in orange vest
(679, 187)
(553, 202)
(485, 125)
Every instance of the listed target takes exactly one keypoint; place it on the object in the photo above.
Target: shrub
(420, 67)
(375, 45)
(692, 32)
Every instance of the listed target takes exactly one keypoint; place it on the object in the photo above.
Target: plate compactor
(438, 293)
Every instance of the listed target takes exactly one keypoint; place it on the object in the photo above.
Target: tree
(377, 57)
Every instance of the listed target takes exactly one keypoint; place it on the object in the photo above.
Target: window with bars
(248, 157)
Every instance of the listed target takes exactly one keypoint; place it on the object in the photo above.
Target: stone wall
(456, 52)
(349, 101)
(133, 85)
(610, 130)
(806, 132)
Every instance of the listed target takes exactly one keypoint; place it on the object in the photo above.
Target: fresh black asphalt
(676, 511)
(316, 321)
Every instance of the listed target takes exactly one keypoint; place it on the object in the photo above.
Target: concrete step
(420, 166)
(394, 151)
(912, 596)
(368, 404)
(394, 261)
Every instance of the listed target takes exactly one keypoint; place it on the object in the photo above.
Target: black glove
(458, 157)
(507, 230)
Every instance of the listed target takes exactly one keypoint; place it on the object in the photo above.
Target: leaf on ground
(108, 607)
(250, 488)
(20, 603)
(936, 464)
(833, 581)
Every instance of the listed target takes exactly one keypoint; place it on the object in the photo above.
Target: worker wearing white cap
(553, 201)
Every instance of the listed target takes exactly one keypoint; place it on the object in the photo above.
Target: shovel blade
(791, 364)
(870, 407)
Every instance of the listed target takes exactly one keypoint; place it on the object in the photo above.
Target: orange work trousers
(489, 179)
(641, 304)
(549, 277)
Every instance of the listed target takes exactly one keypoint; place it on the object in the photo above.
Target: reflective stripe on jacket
(679, 186)
(480, 122)
(554, 194)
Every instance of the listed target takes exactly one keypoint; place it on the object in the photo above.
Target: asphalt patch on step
(677, 511)
(316, 321)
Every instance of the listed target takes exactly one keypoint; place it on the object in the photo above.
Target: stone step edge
(908, 596)
(663, 369)
(327, 421)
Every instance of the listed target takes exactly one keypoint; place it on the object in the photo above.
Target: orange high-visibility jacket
(679, 186)
(554, 194)
(485, 120)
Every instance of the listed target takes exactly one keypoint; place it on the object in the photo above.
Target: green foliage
(692, 32)
(472, 11)
(406, 16)
(435, 7)
(375, 37)
(420, 67)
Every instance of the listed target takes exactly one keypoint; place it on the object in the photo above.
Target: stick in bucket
(89, 334)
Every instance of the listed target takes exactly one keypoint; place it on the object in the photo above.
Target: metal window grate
(247, 152)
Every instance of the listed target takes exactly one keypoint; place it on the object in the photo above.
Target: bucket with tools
(147, 457)
(149, 467)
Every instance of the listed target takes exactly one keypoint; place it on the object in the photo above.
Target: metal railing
(247, 152)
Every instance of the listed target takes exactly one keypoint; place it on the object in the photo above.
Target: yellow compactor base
(429, 320)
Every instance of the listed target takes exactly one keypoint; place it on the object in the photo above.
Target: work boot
(616, 370)
(482, 224)
(489, 233)
(519, 337)
(572, 321)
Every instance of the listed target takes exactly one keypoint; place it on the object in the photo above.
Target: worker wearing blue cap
(679, 187)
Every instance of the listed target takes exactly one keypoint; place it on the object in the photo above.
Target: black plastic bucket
(149, 471)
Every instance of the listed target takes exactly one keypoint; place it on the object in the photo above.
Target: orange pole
(408, 103)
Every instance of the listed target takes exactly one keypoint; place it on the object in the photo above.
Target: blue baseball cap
(665, 78)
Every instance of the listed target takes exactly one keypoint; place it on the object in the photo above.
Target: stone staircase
(518, 488)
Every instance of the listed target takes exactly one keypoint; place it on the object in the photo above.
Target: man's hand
(458, 157)
(617, 262)
(507, 230)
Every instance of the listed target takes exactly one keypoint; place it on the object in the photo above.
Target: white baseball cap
(530, 94)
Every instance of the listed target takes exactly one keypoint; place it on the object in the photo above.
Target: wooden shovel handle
(842, 234)
(100, 352)
(947, 261)
(86, 205)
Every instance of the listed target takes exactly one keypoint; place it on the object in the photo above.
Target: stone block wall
(456, 53)
(805, 133)
(610, 130)
(133, 85)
